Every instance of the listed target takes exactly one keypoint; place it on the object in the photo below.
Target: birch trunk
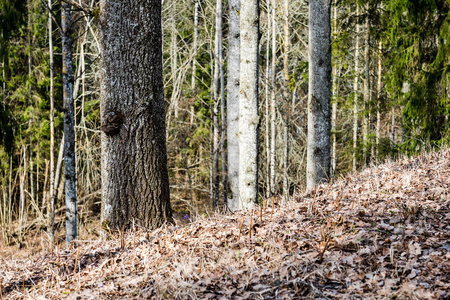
(355, 91)
(69, 130)
(233, 103)
(273, 99)
(135, 182)
(318, 149)
(52, 127)
(248, 104)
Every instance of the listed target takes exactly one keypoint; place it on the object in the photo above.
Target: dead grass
(382, 233)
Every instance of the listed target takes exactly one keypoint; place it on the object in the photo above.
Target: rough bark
(233, 103)
(334, 106)
(267, 136)
(69, 129)
(318, 149)
(248, 105)
(135, 183)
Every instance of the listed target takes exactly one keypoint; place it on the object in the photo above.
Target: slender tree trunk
(380, 50)
(233, 103)
(248, 104)
(334, 105)
(355, 91)
(69, 130)
(267, 135)
(318, 150)
(135, 182)
(217, 67)
(52, 127)
(223, 149)
(287, 112)
(366, 92)
(195, 46)
(273, 99)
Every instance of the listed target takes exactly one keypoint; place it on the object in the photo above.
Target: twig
(76, 261)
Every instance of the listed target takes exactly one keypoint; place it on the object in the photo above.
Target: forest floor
(381, 233)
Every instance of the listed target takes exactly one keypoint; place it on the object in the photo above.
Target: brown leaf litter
(382, 233)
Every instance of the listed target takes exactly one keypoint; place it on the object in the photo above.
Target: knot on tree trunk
(112, 122)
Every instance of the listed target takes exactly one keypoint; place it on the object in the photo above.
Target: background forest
(391, 96)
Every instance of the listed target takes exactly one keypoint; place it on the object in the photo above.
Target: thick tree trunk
(233, 103)
(69, 129)
(135, 183)
(273, 99)
(355, 91)
(318, 150)
(248, 105)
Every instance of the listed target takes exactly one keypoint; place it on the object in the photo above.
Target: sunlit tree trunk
(135, 182)
(273, 98)
(69, 129)
(248, 104)
(319, 96)
(334, 106)
(233, 102)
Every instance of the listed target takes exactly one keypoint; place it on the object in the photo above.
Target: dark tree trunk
(135, 182)
(69, 129)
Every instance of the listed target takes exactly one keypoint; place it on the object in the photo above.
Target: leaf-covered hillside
(382, 233)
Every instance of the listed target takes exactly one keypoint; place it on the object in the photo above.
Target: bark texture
(233, 103)
(69, 129)
(248, 105)
(319, 127)
(135, 183)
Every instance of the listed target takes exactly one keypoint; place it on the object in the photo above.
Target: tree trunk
(52, 127)
(318, 150)
(135, 182)
(217, 67)
(355, 91)
(267, 135)
(69, 130)
(273, 99)
(233, 103)
(248, 105)
(380, 50)
(195, 46)
(334, 106)
(366, 92)
(287, 112)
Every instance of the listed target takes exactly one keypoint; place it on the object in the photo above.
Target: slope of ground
(381, 233)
